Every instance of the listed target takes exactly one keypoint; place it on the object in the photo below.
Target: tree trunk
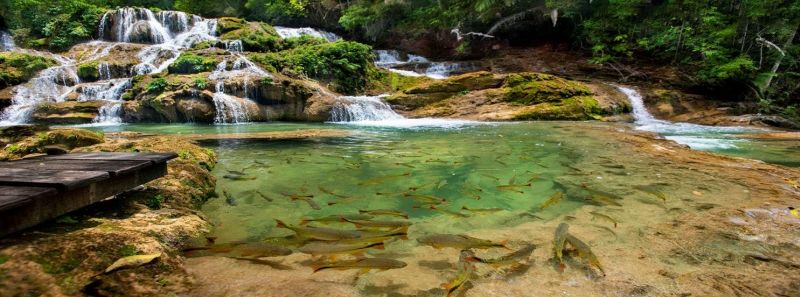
(780, 59)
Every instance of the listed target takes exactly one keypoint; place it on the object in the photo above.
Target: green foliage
(154, 202)
(56, 25)
(255, 37)
(16, 68)
(200, 83)
(88, 71)
(346, 64)
(189, 63)
(157, 85)
(128, 250)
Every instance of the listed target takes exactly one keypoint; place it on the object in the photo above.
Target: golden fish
(552, 200)
(363, 264)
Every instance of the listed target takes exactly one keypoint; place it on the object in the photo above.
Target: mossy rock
(466, 82)
(255, 36)
(572, 109)
(190, 63)
(89, 71)
(532, 88)
(17, 68)
(67, 113)
(384, 81)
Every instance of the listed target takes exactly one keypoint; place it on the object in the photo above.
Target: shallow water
(384, 166)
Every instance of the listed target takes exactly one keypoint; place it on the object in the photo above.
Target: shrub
(156, 85)
(200, 83)
(189, 63)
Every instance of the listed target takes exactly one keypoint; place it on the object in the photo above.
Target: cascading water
(6, 41)
(413, 65)
(362, 108)
(695, 136)
(285, 32)
(168, 33)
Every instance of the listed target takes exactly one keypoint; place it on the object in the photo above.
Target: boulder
(67, 113)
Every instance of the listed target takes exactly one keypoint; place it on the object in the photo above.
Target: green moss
(128, 250)
(17, 68)
(532, 88)
(157, 85)
(189, 63)
(88, 71)
(381, 80)
(200, 83)
(4, 258)
(154, 202)
(255, 36)
(574, 109)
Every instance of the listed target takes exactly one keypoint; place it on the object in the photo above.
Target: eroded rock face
(67, 113)
(185, 100)
(517, 96)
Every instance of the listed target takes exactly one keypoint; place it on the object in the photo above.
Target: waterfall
(695, 136)
(50, 85)
(6, 41)
(166, 34)
(285, 32)
(362, 108)
(414, 65)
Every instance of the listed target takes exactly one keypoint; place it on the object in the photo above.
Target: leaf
(132, 261)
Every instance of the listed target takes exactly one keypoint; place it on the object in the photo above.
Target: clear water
(466, 164)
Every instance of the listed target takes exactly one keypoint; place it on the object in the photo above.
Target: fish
(265, 197)
(384, 212)
(404, 164)
(441, 184)
(604, 217)
(363, 264)
(585, 252)
(343, 200)
(382, 179)
(559, 240)
(369, 223)
(513, 257)
(274, 265)
(256, 250)
(608, 195)
(238, 177)
(401, 232)
(554, 199)
(327, 248)
(329, 192)
(652, 190)
(307, 198)
(234, 172)
(229, 198)
(607, 229)
(479, 210)
(466, 269)
(449, 212)
(458, 241)
(491, 176)
(427, 199)
(320, 233)
(337, 218)
(603, 200)
(513, 188)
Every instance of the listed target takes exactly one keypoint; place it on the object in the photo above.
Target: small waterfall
(234, 46)
(231, 109)
(362, 108)
(694, 135)
(285, 32)
(50, 85)
(414, 65)
(104, 71)
(6, 41)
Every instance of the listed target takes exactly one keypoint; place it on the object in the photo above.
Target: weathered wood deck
(38, 189)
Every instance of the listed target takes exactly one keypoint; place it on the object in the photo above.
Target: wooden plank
(116, 167)
(154, 157)
(61, 179)
(11, 197)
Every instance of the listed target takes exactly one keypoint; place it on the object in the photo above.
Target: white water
(696, 136)
(168, 34)
(398, 63)
(286, 32)
(372, 111)
(6, 41)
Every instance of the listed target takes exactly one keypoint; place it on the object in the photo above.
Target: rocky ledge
(516, 96)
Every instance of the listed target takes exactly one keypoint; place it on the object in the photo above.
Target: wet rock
(17, 68)
(68, 112)
(67, 138)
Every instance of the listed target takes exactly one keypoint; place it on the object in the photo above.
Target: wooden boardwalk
(42, 188)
